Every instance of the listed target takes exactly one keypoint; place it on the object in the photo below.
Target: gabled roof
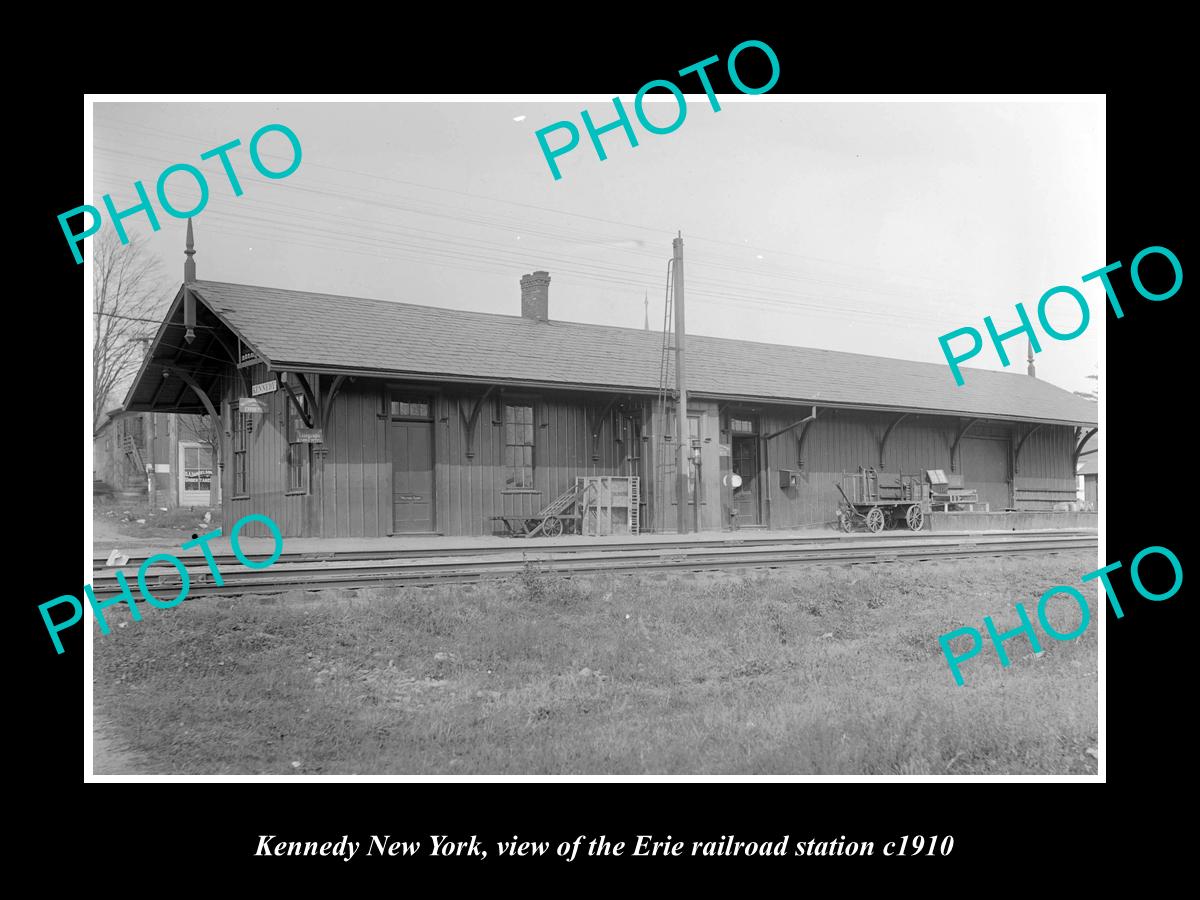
(323, 332)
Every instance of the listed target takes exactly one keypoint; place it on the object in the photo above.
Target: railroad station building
(348, 417)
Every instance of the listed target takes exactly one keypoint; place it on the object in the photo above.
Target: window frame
(408, 397)
(199, 447)
(240, 443)
(299, 453)
(529, 428)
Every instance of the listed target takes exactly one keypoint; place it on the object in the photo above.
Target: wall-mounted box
(788, 478)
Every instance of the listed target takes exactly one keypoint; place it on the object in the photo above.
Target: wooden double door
(985, 467)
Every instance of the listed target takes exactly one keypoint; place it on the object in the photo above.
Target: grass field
(802, 671)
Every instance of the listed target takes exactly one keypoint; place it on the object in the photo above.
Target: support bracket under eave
(1021, 443)
(304, 416)
(333, 392)
(802, 438)
(310, 395)
(199, 392)
(1079, 448)
(774, 434)
(887, 434)
(957, 440)
(469, 422)
(805, 426)
(595, 424)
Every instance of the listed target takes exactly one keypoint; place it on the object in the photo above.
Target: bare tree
(1093, 394)
(126, 282)
(199, 428)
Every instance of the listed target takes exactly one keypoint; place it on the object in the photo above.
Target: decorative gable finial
(189, 265)
(189, 276)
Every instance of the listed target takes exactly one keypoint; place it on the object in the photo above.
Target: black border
(996, 826)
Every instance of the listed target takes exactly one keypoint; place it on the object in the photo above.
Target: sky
(866, 227)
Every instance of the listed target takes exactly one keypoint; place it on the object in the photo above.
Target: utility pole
(681, 423)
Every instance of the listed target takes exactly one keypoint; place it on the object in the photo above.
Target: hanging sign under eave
(264, 387)
(251, 405)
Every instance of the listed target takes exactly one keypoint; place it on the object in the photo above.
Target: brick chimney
(535, 296)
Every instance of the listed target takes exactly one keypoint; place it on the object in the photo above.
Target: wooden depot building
(346, 417)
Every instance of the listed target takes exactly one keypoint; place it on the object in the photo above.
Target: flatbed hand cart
(882, 501)
(562, 514)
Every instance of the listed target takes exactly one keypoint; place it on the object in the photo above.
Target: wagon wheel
(876, 520)
(553, 527)
(915, 517)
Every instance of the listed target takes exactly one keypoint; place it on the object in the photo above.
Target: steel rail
(277, 580)
(100, 563)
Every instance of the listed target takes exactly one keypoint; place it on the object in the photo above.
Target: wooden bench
(949, 491)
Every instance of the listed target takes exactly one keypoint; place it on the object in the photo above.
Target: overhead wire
(340, 194)
(700, 263)
(720, 289)
(598, 240)
(502, 257)
(857, 265)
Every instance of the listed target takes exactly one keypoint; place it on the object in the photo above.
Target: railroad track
(354, 570)
(228, 560)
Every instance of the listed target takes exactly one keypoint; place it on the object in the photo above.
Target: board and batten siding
(350, 492)
(470, 490)
(1045, 473)
(266, 460)
(351, 486)
(349, 489)
(843, 440)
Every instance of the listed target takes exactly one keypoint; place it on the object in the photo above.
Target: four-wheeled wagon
(882, 500)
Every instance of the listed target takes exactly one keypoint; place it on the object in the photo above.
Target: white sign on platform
(264, 387)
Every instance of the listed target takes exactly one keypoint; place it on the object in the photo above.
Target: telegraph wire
(743, 247)
(342, 196)
(588, 270)
(856, 264)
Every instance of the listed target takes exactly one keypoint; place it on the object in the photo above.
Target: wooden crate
(609, 504)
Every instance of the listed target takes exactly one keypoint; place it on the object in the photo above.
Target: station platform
(1022, 520)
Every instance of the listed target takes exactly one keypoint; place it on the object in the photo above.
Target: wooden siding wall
(266, 455)
(355, 478)
(470, 490)
(659, 486)
(1045, 475)
(351, 493)
(842, 440)
(351, 478)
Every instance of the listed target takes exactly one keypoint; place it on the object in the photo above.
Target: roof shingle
(323, 330)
